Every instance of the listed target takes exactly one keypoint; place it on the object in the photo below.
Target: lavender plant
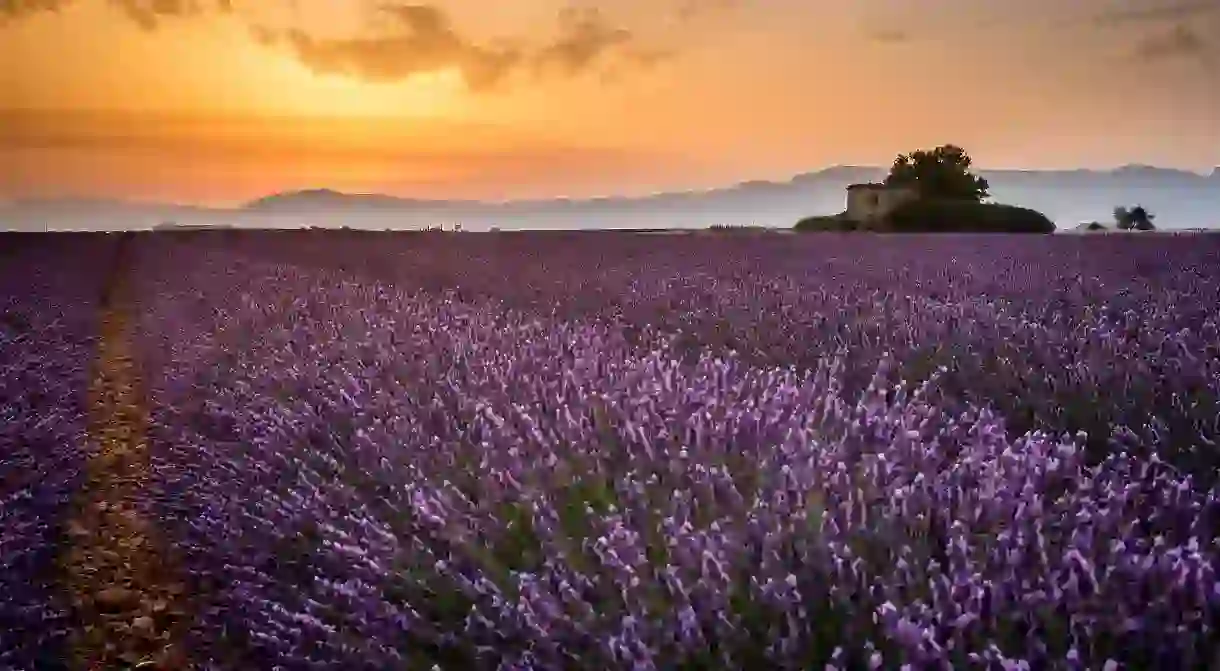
(48, 301)
(1108, 337)
(375, 475)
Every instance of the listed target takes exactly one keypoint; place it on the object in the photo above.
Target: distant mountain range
(1179, 198)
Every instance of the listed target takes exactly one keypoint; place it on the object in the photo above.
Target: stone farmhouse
(870, 204)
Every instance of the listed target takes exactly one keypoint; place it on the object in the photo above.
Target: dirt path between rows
(127, 597)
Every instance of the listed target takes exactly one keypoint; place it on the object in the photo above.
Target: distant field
(607, 450)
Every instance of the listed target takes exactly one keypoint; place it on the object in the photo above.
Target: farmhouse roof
(876, 186)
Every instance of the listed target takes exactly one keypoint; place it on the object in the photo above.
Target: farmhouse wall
(873, 202)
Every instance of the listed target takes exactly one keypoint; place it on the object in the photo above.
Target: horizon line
(245, 203)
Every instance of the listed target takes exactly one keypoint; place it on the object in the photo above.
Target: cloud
(145, 13)
(1181, 42)
(148, 14)
(584, 37)
(422, 39)
(17, 9)
(1160, 11)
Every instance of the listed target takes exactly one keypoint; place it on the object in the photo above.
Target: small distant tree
(1136, 218)
(942, 173)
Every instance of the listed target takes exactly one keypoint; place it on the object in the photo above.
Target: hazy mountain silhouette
(1180, 199)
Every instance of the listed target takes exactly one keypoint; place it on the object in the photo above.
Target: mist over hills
(1179, 198)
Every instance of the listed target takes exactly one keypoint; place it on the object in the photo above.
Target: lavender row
(371, 478)
(1115, 337)
(49, 289)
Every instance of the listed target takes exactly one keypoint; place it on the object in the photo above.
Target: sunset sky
(217, 102)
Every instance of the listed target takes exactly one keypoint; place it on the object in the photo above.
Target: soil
(127, 596)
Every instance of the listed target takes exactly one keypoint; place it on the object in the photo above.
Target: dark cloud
(585, 36)
(1181, 42)
(1184, 40)
(1155, 11)
(145, 13)
(16, 9)
(148, 14)
(421, 38)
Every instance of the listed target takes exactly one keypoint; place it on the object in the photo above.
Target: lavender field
(615, 451)
(47, 333)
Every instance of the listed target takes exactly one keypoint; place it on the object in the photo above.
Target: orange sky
(468, 98)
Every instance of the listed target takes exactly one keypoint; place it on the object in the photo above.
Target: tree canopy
(942, 173)
(1137, 218)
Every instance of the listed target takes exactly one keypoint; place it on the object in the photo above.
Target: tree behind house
(942, 173)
